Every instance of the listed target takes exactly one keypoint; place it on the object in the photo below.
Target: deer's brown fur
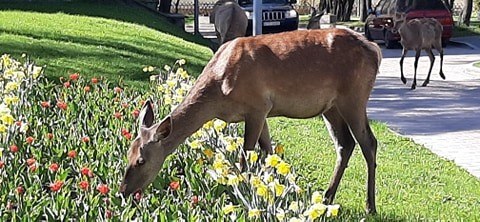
(419, 34)
(297, 74)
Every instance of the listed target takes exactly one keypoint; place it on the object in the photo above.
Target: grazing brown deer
(418, 34)
(229, 19)
(299, 74)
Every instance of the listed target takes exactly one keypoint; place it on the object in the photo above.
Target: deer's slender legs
(432, 60)
(254, 127)
(360, 128)
(440, 50)
(264, 140)
(344, 144)
(402, 77)
(415, 65)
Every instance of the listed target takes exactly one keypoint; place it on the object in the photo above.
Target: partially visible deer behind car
(419, 34)
(229, 19)
(298, 74)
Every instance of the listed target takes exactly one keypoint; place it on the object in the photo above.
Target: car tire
(389, 44)
(367, 33)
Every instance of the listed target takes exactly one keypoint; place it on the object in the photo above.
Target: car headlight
(291, 14)
(248, 14)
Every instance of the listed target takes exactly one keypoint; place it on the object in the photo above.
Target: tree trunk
(341, 8)
(466, 12)
(364, 6)
(164, 6)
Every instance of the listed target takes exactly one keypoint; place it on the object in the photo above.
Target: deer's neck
(188, 117)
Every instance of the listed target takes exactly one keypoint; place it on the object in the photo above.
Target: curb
(472, 69)
(463, 43)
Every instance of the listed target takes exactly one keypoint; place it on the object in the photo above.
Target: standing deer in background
(299, 74)
(418, 34)
(229, 19)
(314, 20)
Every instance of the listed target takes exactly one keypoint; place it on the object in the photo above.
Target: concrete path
(445, 116)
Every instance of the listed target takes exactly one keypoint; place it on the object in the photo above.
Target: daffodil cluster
(264, 188)
(14, 77)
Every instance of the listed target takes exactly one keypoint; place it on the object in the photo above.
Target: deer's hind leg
(439, 48)
(358, 122)
(344, 144)
(415, 65)
(402, 77)
(432, 61)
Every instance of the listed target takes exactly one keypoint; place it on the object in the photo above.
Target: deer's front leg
(264, 141)
(254, 126)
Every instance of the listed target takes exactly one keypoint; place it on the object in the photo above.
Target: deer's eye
(140, 161)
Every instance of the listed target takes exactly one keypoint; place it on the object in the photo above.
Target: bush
(63, 148)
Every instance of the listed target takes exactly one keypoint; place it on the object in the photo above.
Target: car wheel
(367, 33)
(389, 44)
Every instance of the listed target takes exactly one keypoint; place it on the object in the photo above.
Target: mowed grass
(96, 45)
(412, 183)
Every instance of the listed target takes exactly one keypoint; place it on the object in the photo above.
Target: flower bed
(63, 153)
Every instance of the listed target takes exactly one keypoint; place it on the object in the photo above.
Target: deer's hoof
(413, 87)
(442, 75)
(425, 84)
(404, 80)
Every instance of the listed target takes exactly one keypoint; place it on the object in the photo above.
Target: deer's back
(420, 33)
(301, 72)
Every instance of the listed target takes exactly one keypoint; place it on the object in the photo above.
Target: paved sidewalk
(445, 116)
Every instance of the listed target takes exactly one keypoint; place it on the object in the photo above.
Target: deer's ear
(146, 116)
(164, 129)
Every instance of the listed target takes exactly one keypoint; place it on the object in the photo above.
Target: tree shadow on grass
(117, 10)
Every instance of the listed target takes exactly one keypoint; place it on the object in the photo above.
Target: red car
(379, 23)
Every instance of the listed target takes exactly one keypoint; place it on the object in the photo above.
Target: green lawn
(412, 183)
(111, 40)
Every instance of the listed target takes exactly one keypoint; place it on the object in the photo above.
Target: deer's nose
(123, 187)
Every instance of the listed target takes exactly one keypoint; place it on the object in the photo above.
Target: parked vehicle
(378, 25)
(278, 15)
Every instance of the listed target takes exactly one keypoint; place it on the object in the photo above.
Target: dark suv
(379, 23)
(278, 15)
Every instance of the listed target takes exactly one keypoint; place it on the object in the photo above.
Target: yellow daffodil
(228, 209)
(315, 211)
(209, 153)
(277, 187)
(262, 190)
(254, 213)
(9, 100)
(295, 219)
(37, 70)
(231, 147)
(294, 205)
(279, 149)
(317, 197)
(171, 83)
(272, 160)
(3, 128)
(283, 168)
(332, 210)
(167, 100)
(208, 125)
(195, 144)
(150, 68)
(11, 86)
(280, 214)
(7, 119)
(167, 67)
(219, 125)
(252, 156)
(145, 69)
(233, 180)
(255, 181)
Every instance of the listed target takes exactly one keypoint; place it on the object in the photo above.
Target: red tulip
(54, 167)
(117, 115)
(135, 113)
(20, 190)
(66, 84)
(108, 214)
(62, 105)
(74, 76)
(194, 200)
(29, 140)
(86, 88)
(86, 172)
(13, 148)
(45, 104)
(174, 185)
(84, 185)
(72, 154)
(124, 105)
(103, 189)
(50, 136)
(94, 80)
(117, 89)
(2, 164)
(85, 139)
(56, 186)
(31, 161)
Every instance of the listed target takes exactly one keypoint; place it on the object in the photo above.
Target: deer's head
(398, 20)
(314, 21)
(147, 152)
